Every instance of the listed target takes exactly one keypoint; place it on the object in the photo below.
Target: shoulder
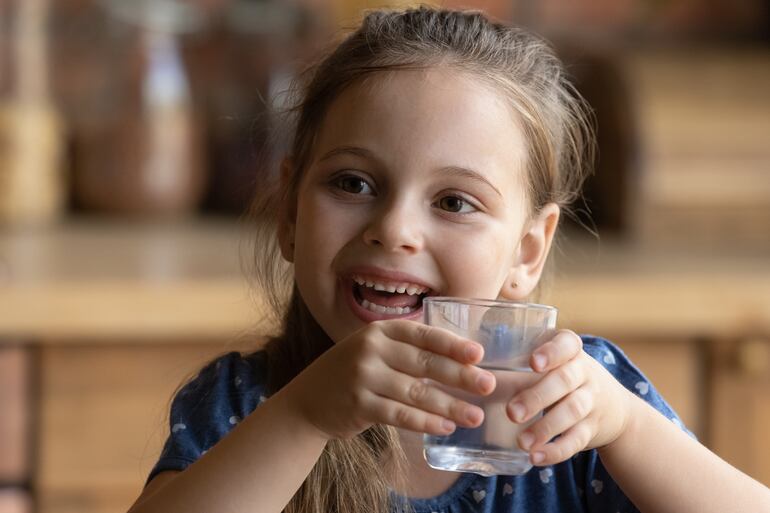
(612, 358)
(210, 405)
(233, 379)
(251, 367)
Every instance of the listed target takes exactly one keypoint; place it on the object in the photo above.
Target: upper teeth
(401, 288)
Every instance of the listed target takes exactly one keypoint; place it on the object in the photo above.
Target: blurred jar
(31, 181)
(136, 141)
(237, 65)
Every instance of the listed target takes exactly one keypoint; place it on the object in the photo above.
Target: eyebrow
(355, 150)
(457, 171)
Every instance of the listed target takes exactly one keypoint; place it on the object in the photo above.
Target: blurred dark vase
(146, 160)
(229, 75)
(237, 67)
(135, 140)
(142, 165)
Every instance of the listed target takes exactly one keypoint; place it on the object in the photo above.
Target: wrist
(294, 407)
(628, 427)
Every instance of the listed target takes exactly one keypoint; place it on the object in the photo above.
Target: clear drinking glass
(509, 332)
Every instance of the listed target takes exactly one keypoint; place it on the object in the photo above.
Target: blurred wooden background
(132, 139)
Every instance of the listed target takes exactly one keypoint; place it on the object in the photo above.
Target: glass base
(479, 461)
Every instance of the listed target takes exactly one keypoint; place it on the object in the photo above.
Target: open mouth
(388, 299)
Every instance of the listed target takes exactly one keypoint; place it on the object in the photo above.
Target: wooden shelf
(96, 280)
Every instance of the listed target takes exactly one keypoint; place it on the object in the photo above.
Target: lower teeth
(396, 310)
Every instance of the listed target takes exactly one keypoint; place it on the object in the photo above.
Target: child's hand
(586, 405)
(375, 376)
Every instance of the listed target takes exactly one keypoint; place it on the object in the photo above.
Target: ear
(531, 254)
(287, 214)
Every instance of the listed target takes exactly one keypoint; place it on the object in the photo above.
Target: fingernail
(537, 457)
(447, 425)
(518, 411)
(473, 415)
(540, 361)
(485, 381)
(526, 440)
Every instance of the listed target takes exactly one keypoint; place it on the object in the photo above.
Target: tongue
(388, 299)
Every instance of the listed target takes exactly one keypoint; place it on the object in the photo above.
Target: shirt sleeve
(209, 406)
(598, 489)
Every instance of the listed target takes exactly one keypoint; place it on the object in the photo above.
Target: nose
(395, 228)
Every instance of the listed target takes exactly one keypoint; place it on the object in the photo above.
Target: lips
(374, 294)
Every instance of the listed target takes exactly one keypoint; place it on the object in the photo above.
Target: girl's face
(415, 186)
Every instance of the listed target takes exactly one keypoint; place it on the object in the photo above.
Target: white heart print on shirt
(609, 359)
(507, 489)
(545, 475)
(478, 495)
(643, 387)
(598, 486)
(178, 427)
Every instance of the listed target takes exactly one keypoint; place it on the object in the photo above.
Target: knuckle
(426, 360)
(583, 438)
(575, 409)
(417, 392)
(558, 453)
(563, 452)
(570, 337)
(361, 371)
(377, 325)
(368, 346)
(578, 405)
(423, 330)
(542, 430)
(533, 400)
(569, 376)
(402, 416)
(358, 399)
(576, 446)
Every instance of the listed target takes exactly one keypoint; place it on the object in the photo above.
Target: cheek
(322, 232)
(486, 253)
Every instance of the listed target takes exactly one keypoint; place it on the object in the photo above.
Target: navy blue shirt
(232, 386)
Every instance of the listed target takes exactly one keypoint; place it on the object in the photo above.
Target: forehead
(434, 117)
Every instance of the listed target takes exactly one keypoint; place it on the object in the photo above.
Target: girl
(433, 154)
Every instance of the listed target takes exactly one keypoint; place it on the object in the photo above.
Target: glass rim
(492, 303)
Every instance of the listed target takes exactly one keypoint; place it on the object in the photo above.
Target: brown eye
(453, 204)
(353, 185)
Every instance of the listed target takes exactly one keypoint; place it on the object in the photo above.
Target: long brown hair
(350, 475)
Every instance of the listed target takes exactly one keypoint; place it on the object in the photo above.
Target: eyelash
(338, 180)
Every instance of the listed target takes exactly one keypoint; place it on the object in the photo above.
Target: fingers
(569, 412)
(567, 445)
(433, 339)
(424, 396)
(563, 347)
(423, 363)
(404, 416)
(555, 385)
